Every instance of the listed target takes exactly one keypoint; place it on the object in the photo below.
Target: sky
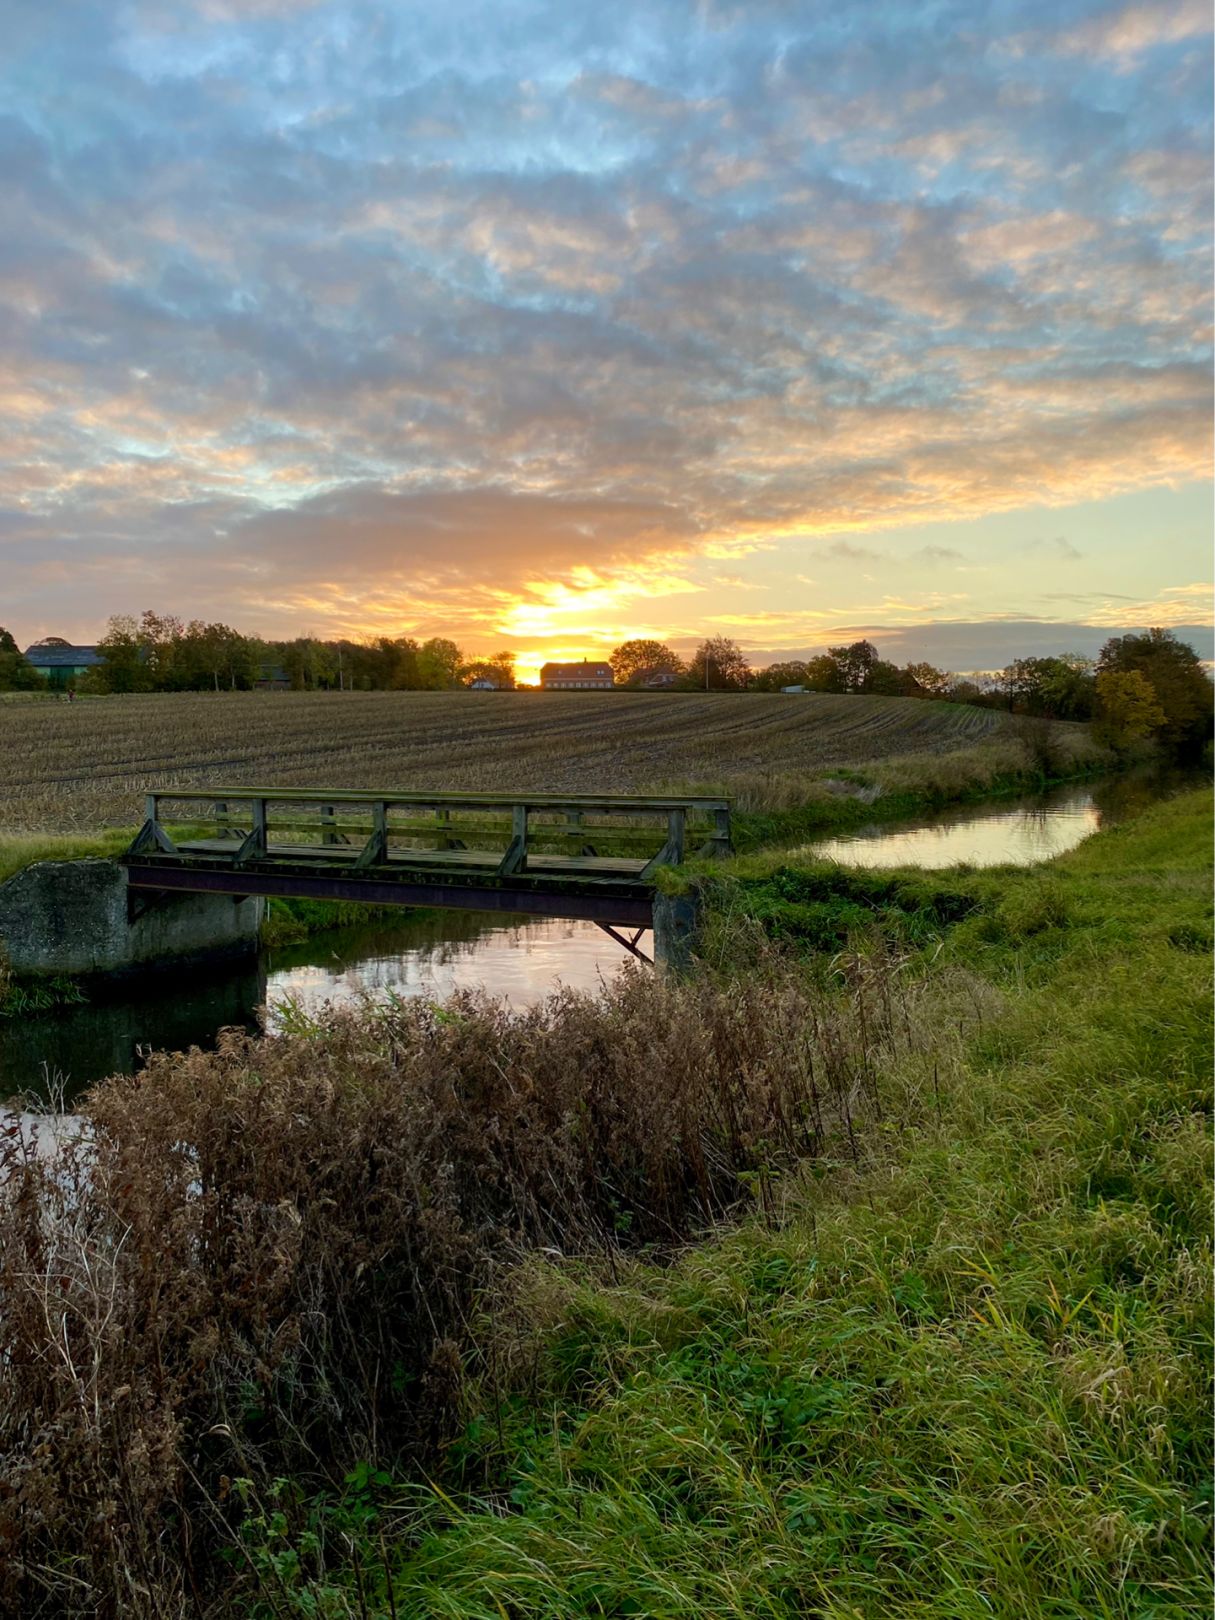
(547, 325)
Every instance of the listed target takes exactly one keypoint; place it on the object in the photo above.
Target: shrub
(260, 1261)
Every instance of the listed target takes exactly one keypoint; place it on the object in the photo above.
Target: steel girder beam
(625, 910)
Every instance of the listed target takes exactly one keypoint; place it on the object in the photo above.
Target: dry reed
(264, 1260)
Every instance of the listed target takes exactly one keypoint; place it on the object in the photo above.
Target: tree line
(1142, 686)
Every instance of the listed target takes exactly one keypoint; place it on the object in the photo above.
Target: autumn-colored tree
(1176, 676)
(1128, 710)
(719, 665)
(633, 661)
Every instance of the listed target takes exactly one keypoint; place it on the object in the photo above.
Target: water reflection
(1019, 832)
(74, 1046)
(421, 953)
(1019, 836)
(519, 959)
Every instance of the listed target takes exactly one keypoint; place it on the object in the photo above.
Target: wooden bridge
(574, 855)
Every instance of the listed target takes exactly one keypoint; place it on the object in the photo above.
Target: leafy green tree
(1178, 679)
(439, 663)
(310, 664)
(123, 667)
(823, 674)
(927, 680)
(719, 665)
(1061, 688)
(214, 655)
(17, 674)
(777, 676)
(884, 679)
(160, 636)
(1069, 687)
(855, 665)
(634, 661)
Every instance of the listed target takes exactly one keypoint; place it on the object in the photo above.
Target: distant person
(71, 694)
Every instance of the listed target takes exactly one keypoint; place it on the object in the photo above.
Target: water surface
(1013, 832)
(421, 953)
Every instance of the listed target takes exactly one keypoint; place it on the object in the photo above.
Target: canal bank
(435, 954)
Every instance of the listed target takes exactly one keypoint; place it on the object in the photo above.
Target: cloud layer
(510, 319)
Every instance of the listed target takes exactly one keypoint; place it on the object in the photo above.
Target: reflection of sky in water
(990, 838)
(523, 963)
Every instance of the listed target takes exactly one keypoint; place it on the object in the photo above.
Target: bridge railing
(366, 829)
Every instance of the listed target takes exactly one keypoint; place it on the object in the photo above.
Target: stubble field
(83, 766)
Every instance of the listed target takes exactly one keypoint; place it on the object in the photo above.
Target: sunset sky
(546, 325)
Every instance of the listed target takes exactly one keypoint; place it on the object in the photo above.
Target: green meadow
(960, 1369)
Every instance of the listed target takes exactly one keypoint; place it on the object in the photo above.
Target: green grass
(19, 850)
(970, 1379)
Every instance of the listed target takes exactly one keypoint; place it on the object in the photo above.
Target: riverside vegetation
(874, 1282)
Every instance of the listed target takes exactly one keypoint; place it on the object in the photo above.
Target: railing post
(721, 830)
(328, 832)
(675, 824)
(375, 850)
(254, 846)
(671, 853)
(152, 836)
(515, 859)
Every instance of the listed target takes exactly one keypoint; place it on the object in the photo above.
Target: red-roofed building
(577, 677)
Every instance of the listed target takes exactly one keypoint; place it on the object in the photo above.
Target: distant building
(271, 678)
(63, 666)
(659, 680)
(482, 684)
(793, 688)
(572, 677)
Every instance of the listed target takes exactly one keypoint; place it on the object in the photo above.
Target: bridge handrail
(254, 844)
(608, 802)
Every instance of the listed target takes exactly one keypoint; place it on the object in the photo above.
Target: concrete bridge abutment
(678, 932)
(74, 918)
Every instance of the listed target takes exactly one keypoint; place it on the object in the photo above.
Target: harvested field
(78, 767)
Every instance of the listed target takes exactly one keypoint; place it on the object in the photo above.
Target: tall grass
(261, 1261)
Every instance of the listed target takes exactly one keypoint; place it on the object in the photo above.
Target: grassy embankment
(954, 1363)
(967, 1377)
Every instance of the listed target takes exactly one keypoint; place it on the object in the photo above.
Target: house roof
(571, 672)
(62, 657)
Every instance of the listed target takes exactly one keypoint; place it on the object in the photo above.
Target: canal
(434, 953)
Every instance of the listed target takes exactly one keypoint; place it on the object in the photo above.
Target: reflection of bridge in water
(589, 857)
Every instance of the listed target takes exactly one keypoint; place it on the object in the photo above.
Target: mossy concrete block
(677, 931)
(71, 917)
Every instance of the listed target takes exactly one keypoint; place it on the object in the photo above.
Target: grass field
(970, 1381)
(876, 1284)
(81, 767)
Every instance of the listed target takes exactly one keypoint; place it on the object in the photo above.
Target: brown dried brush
(257, 1260)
